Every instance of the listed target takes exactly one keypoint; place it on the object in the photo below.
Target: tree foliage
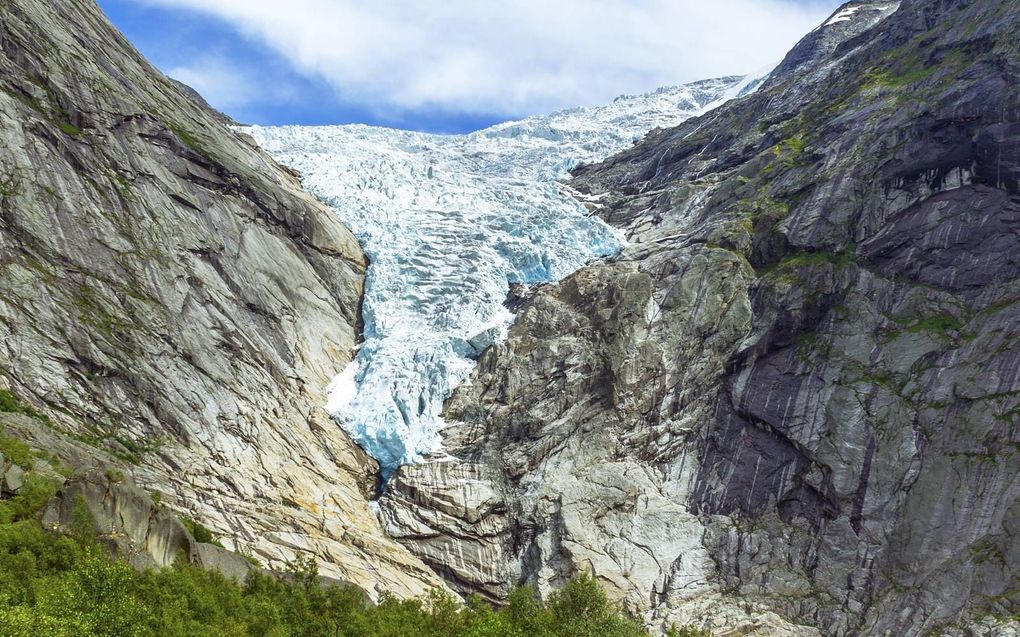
(67, 585)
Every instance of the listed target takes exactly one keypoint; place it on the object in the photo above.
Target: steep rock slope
(170, 295)
(799, 384)
(450, 222)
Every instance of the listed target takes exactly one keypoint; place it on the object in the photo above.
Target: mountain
(450, 222)
(757, 371)
(795, 390)
(172, 304)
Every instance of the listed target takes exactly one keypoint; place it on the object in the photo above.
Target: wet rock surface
(797, 390)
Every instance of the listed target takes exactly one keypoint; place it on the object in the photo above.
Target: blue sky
(454, 66)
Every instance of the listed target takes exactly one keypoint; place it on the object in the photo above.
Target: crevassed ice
(449, 222)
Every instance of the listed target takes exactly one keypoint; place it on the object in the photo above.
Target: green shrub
(66, 585)
(199, 532)
(32, 496)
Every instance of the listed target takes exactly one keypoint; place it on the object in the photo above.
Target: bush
(199, 532)
(30, 499)
(68, 586)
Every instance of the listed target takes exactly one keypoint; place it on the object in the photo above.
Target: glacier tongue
(449, 222)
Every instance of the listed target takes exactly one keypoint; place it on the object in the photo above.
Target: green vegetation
(92, 310)
(807, 340)
(763, 209)
(790, 150)
(16, 451)
(123, 186)
(30, 499)
(54, 113)
(10, 403)
(67, 585)
(688, 631)
(789, 264)
(10, 186)
(187, 139)
(940, 323)
(199, 532)
(884, 78)
(69, 128)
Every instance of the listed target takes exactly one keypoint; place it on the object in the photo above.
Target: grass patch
(69, 128)
(187, 139)
(793, 262)
(943, 325)
(885, 78)
(10, 403)
(789, 151)
(17, 452)
(940, 323)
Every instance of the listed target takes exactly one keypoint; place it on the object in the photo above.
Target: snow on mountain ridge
(449, 222)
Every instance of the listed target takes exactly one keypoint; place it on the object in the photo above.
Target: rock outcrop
(797, 390)
(171, 297)
(136, 528)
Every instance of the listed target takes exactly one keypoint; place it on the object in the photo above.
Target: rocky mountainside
(172, 302)
(789, 406)
(450, 222)
(797, 389)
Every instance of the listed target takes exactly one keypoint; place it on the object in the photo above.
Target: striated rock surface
(450, 222)
(169, 295)
(126, 518)
(796, 393)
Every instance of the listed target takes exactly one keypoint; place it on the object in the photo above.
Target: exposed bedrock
(174, 301)
(797, 390)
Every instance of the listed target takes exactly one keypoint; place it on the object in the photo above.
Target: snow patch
(843, 16)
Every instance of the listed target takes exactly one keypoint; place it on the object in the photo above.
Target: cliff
(171, 301)
(796, 390)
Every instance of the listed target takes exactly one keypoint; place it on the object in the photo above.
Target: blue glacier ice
(449, 222)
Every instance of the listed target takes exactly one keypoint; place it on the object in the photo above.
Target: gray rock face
(798, 388)
(456, 521)
(170, 295)
(13, 479)
(212, 557)
(125, 517)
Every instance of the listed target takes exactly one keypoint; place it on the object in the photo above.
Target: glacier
(449, 222)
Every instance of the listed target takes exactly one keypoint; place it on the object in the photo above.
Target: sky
(450, 66)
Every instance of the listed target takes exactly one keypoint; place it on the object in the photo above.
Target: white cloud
(506, 57)
(220, 82)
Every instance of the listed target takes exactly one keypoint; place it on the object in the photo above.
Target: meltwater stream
(449, 222)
